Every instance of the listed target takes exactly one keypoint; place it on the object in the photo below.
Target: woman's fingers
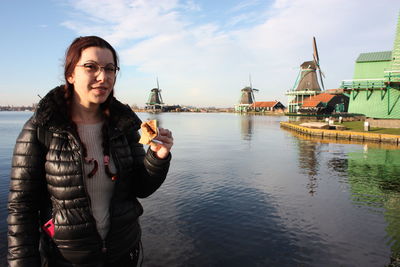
(166, 141)
(165, 136)
(164, 132)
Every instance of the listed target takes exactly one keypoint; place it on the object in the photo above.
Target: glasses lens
(94, 68)
(110, 68)
(91, 67)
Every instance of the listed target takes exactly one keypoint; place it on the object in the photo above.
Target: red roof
(264, 104)
(313, 101)
(310, 103)
(323, 97)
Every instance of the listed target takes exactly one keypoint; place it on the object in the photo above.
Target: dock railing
(363, 84)
(392, 76)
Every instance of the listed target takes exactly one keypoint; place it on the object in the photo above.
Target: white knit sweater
(100, 187)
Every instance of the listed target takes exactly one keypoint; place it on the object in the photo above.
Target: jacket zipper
(103, 242)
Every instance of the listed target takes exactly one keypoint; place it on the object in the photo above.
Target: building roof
(338, 91)
(310, 103)
(264, 104)
(375, 56)
(323, 97)
(309, 65)
(314, 101)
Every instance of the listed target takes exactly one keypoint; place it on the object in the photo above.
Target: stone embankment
(344, 135)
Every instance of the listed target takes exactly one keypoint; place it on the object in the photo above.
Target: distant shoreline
(26, 110)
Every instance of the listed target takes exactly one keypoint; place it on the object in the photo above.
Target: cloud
(121, 20)
(243, 5)
(207, 63)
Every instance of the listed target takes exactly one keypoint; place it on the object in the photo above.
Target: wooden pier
(344, 135)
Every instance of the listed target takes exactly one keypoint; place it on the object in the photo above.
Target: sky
(202, 52)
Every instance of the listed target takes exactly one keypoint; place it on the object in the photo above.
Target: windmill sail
(159, 92)
(316, 60)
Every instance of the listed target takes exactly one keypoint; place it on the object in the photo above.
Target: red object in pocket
(48, 228)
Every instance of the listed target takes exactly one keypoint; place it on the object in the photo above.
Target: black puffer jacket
(43, 178)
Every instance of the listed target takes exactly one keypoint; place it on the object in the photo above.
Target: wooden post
(366, 126)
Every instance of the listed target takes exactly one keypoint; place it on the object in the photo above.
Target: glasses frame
(99, 68)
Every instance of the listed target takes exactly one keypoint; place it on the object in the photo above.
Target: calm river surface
(243, 192)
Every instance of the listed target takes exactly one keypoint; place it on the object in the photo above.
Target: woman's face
(93, 77)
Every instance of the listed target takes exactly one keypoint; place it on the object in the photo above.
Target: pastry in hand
(149, 133)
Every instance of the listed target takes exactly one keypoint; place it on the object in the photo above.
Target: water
(241, 191)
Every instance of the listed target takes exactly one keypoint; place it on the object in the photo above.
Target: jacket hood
(51, 112)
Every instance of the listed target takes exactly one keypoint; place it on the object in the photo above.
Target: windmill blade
(315, 54)
(252, 94)
(251, 86)
(158, 86)
(321, 73)
(316, 60)
(320, 77)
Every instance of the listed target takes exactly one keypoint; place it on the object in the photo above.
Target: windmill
(155, 101)
(308, 73)
(306, 84)
(247, 97)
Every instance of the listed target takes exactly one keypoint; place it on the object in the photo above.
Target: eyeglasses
(94, 68)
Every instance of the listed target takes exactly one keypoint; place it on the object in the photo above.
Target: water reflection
(372, 171)
(246, 127)
(339, 165)
(211, 221)
(374, 177)
(308, 161)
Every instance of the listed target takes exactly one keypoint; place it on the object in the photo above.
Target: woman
(78, 167)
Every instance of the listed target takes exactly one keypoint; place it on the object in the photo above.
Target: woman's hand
(162, 150)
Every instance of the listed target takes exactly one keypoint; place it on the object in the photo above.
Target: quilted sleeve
(27, 179)
(152, 171)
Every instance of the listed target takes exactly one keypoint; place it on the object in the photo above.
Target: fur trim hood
(51, 114)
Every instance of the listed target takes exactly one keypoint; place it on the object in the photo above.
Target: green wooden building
(375, 88)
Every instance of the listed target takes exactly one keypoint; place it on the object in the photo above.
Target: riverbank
(344, 134)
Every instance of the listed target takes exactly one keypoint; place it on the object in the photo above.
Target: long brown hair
(72, 56)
